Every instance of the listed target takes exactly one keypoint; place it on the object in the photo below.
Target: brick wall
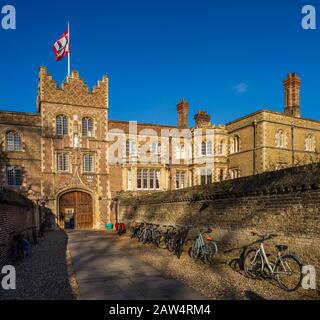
(16, 214)
(285, 202)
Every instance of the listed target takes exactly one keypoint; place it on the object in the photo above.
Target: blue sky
(226, 57)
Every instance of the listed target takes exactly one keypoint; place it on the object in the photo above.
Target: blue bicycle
(204, 247)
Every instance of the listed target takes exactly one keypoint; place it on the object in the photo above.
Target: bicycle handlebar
(264, 237)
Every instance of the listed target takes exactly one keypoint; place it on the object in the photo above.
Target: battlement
(72, 92)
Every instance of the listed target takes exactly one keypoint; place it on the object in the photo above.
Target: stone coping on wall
(297, 179)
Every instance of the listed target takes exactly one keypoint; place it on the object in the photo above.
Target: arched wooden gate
(76, 210)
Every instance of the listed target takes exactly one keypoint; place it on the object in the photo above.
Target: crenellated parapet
(72, 92)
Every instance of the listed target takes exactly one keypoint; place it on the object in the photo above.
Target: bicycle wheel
(171, 243)
(212, 251)
(289, 272)
(253, 264)
(179, 248)
(157, 239)
(194, 251)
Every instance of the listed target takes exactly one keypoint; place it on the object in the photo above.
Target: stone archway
(76, 210)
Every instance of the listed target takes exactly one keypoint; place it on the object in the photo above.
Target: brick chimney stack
(202, 119)
(183, 108)
(292, 95)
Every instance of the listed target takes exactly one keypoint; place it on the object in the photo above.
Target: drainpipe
(292, 142)
(117, 210)
(254, 146)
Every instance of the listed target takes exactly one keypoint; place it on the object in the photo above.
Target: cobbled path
(44, 274)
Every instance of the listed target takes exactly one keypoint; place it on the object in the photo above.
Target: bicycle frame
(200, 245)
(271, 266)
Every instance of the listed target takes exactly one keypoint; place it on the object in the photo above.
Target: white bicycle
(287, 269)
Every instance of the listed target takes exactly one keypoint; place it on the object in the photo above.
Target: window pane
(84, 127)
(145, 179)
(203, 149)
(182, 180)
(88, 163)
(158, 179)
(139, 179)
(10, 141)
(14, 176)
(209, 148)
(10, 176)
(65, 125)
(177, 180)
(151, 179)
(59, 125)
(90, 128)
(128, 147)
(18, 177)
(17, 142)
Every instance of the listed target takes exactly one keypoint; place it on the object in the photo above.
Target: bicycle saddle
(282, 248)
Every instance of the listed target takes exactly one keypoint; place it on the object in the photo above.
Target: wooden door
(81, 204)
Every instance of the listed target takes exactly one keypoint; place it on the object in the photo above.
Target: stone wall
(285, 202)
(17, 214)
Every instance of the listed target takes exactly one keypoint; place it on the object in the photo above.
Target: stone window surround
(64, 116)
(88, 117)
(156, 179)
(235, 173)
(92, 162)
(310, 143)
(4, 140)
(181, 179)
(56, 162)
(235, 145)
(5, 176)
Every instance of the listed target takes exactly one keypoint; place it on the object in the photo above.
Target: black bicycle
(18, 238)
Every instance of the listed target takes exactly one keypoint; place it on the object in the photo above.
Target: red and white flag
(62, 46)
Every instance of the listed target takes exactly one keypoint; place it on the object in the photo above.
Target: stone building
(71, 156)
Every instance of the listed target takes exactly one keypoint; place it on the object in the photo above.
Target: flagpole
(69, 58)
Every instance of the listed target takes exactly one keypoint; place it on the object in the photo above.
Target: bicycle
(19, 241)
(179, 239)
(169, 238)
(204, 247)
(287, 270)
(135, 227)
